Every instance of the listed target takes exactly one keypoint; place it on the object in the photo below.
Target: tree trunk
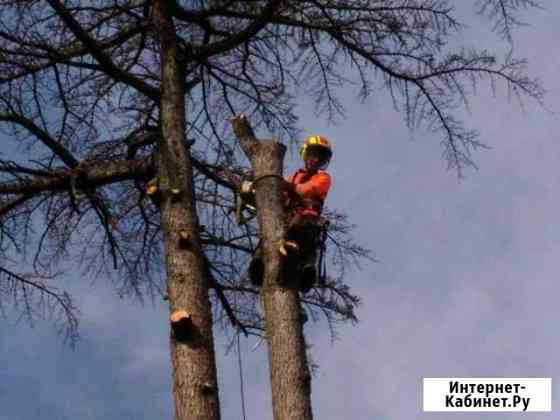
(289, 371)
(195, 385)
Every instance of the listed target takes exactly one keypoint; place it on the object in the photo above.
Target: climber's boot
(308, 277)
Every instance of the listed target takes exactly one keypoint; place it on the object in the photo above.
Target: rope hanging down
(241, 383)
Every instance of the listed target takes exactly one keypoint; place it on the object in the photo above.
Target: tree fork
(289, 371)
(195, 385)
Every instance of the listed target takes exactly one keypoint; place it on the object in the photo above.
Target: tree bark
(289, 371)
(195, 385)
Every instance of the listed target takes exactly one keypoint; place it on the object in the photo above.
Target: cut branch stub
(245, 134)
(287, 246)
(208, 388)
(184, 239)
(175, 194)
(153, 192)
(181, 324)
(152, 188)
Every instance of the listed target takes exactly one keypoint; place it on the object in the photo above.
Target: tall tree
(108, 99)
(194, 369)
(289, 370)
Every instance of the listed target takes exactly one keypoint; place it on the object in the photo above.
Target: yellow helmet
(319, 143)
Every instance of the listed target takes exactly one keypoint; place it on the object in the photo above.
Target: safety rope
(260, 178)
(241, 383)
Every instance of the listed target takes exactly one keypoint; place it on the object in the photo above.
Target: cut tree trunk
(195, 385)
(289, 370)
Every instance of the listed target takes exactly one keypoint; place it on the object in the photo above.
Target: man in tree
(311, 185)
(306, 191)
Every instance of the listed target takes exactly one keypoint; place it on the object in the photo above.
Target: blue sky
(466, 283)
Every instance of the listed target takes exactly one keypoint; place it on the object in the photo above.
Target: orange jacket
(313, 189)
